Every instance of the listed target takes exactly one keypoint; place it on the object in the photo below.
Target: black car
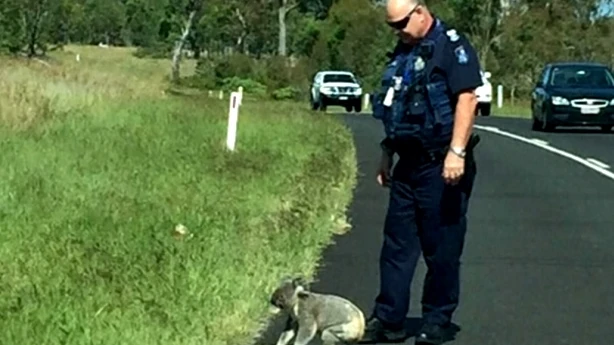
(573, 94)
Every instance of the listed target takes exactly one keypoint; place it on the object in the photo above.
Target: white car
(484, 94)
(336, 88)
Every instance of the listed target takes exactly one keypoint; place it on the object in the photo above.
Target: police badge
(419, 64)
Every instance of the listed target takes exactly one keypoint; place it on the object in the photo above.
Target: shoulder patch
(461, 55)
(453, 35)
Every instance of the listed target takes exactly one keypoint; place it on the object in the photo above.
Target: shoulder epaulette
(452, 35)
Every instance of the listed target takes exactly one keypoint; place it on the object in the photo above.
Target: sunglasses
(401, 24)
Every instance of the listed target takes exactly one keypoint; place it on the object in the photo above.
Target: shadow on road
(270, 335)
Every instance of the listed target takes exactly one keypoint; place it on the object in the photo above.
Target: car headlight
(326, 89)
(358, 91)
(557, 100)
(612, 102)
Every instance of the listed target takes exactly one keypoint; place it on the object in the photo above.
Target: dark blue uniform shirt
(455, 61)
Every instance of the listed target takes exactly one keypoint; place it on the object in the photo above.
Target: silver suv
(336, 88)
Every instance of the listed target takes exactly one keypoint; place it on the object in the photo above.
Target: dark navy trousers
(425, 216)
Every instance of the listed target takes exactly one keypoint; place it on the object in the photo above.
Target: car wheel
(322, 105)
(348, 108)
(546, 127)
(314, 105)
(536, 125)
(606, 129)
(358, 107)
(485, 109)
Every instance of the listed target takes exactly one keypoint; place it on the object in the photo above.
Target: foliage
(100, 163)
(232, 38)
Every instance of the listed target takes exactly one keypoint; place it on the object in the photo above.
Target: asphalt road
(538, 266)
(588, 142)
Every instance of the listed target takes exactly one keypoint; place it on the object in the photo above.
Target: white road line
(591, 164)
(488, 128)
(539, 141)
(598, 163)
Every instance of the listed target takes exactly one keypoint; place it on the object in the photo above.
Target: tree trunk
(240, 43)
(281, 16)
(33, 20)
(285, 7)
(485, 26)
(176, 65)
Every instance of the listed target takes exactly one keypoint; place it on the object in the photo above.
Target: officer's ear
(421, 11)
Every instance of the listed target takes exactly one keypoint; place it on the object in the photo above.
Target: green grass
(90, 194)
(520, 109)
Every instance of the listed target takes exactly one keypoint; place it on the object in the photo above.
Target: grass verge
(92, 187)
(520, 109)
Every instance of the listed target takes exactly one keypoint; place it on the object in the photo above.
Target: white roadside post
(240, 95)
(233, 118)
(499, 96)
(365, 102)
(221, 96)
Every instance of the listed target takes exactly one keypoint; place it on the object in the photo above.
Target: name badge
(397, 83)
(389, 95)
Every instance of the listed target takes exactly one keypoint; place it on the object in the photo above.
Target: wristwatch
(458, 151)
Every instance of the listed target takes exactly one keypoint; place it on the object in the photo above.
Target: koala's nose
(275, 301)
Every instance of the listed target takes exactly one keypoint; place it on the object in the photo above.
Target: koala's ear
(285, 280)
(299, 281)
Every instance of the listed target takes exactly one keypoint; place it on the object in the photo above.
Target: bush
(274, 76)
(158, 50)
(236, 65)
(249, 86)
(287, 93)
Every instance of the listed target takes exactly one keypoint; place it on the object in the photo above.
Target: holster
(474, 140)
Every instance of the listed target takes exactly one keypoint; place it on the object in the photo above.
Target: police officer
(427, 105)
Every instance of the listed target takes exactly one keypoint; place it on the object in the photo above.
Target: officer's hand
(383, 172)
(453, 168)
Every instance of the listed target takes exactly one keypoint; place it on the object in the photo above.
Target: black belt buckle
(431, 156)
(434, 156)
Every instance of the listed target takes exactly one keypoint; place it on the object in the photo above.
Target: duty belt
(420, 155)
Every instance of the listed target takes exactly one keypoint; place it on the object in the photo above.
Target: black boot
(431, 334)
(377, 332)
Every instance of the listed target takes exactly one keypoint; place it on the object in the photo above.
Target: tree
(193, 7)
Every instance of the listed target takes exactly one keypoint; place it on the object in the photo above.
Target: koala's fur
(335, 319)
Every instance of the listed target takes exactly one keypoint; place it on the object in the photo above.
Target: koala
(335, 319)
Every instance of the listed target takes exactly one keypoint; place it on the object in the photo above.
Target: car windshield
(582, 76)
(339, 78)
